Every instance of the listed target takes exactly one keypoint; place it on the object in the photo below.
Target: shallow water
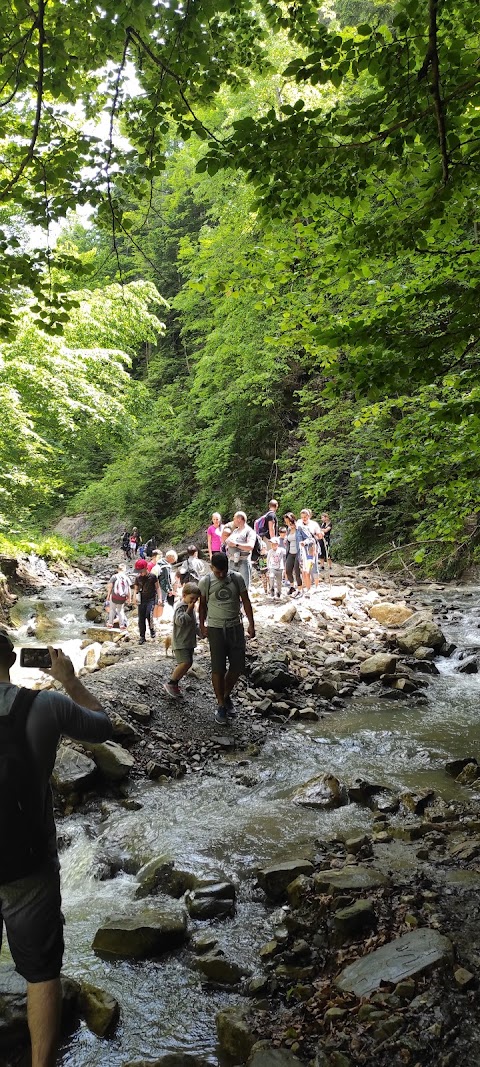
(214, 825)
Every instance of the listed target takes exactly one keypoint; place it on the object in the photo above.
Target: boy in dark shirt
(146, 589)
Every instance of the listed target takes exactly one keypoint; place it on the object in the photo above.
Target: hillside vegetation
(308, 209)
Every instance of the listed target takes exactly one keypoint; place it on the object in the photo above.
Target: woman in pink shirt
(214, 534)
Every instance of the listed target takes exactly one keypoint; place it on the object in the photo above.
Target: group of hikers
(294, 555)
(32, 721)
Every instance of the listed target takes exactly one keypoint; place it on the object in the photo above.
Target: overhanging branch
(40, 26)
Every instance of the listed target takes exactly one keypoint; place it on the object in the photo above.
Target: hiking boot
(230, 708)
(221, 715)
(172, 689)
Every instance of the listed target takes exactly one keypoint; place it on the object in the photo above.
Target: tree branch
(437, 97)
(135, 36)
(40, 25)
(113, 111)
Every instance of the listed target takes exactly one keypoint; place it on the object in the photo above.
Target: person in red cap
(147, 590)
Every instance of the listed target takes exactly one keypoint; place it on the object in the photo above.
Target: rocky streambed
(218, 883)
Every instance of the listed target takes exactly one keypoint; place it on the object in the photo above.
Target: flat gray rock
(349, 878)
(273, 1057)
(405, 957)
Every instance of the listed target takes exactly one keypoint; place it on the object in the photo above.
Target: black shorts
(31, 910)
(227, 643)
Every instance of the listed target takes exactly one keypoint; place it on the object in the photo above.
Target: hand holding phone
(38, 658)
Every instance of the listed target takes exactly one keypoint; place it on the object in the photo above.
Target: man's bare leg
(231, 679)
(218, 682)
(44, 1004)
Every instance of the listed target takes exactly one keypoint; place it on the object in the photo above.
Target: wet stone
(275, 879)
(355, 919)
(349, 879)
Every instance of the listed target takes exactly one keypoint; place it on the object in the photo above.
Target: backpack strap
(232, 575)
(18, 714)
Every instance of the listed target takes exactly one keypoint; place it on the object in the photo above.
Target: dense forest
(240, 258)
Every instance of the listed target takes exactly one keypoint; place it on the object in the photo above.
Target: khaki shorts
(227, 643)
(31, 910)
(183, 655)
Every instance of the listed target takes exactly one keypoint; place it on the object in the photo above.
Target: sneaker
(277, 596)
(291, 591)
(221, 715)
(109, 625)
(230, 707)
(142, 641)
(172, 689)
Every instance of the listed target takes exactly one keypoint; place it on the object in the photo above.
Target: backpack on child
(23, 838)
(120, 589)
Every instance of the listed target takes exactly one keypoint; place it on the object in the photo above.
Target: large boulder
(325, 791)
(390, 614)
(74, 772)
(275, 879)
(274, 676)
(13, 1008)
(375, 666)
(214, 901)
(425, 634)
(142, 936)
(234, 1032)
(99, 1009)
(112, 760)
(161, 876)
(218, 970)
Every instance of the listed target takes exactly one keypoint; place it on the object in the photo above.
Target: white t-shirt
(246, 536)
(311, 526)
(276, 559)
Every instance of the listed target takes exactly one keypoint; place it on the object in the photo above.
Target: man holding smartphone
(31, 724)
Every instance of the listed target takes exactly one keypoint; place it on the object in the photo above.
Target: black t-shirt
(271, 516)
(147, 587)
(327, 528)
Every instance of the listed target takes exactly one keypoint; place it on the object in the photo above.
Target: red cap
(141, 564)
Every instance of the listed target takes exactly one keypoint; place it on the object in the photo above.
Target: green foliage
(67, 403)
(304, 191)
(52, 548)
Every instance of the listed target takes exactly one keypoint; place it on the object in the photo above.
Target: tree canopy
(301, 184)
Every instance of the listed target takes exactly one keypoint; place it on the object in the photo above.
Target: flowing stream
(214, 825)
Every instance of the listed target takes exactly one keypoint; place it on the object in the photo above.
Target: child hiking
(276, 566)
(184, 637)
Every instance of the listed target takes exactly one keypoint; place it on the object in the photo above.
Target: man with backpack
(267, 525)
(220, 621)
(31, 724)
(160, 568)
(192, 568)
(118, 594)
(240, 545)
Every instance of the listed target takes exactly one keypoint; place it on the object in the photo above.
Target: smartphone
(35, 657)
